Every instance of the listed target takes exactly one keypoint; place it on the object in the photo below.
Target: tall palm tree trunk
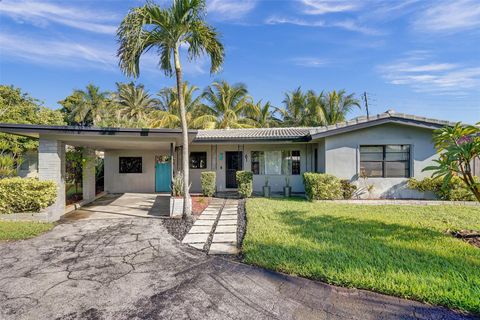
(187, 208)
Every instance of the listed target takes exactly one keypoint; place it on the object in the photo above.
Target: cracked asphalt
(133, 269)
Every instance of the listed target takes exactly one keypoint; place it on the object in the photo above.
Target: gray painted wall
(342, 157)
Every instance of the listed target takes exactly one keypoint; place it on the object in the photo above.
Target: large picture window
(130, 165)
(385, 161)
(198, 160)
(284, 162)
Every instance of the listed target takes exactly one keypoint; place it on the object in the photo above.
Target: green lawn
(398, 250)
(17, 230)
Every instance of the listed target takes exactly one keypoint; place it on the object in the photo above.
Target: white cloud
(329, 6)
(310, 62)
(44, 13)
(419, 72)
(56, 52)
(349, 25)
(449, 16)
(230, 9)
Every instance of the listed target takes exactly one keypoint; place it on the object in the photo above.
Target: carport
(149, 145)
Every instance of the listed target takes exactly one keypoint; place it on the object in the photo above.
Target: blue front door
(162, 176)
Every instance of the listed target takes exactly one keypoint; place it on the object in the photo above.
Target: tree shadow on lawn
(406, 261)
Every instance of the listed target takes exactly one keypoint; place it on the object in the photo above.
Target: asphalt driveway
(133, 269)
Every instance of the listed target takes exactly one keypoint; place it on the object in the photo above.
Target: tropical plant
(228, 104)
(7, 166)
(457, 146)
(168, 115)
(295, 111)
(166, 29)
(337, 104)
(264, 115)
(134, 101)
(86, 107)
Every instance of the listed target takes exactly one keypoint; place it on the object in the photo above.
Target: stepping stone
(200, 229)
(196, 238)
(228, 216)
(207, 217)
(223, 248)
(209, 214)
(204, 223)
(225, 229)
(198, 246)
(225, 237)
(227, 222)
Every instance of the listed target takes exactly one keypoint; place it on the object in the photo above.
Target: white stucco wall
(342, 157)
(195, 174)
(116, 182)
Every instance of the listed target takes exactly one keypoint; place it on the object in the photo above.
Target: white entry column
(51, 166)
(88, 174)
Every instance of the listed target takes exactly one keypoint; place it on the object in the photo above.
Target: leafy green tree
(229, 105)
(134, 101)
(168, 115)
(337, 104)
(19, 107)
(457, 146)
(165, 30)
(295, 112)
(264, 115)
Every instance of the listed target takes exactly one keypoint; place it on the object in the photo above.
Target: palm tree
(135, 103)
(168, 115)
(229, 105)
(263, 115)
(90, 106)
(165, 30)
(295, 112)
(337, 105)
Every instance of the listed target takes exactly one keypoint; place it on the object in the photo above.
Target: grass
(18, 230)
(397, 250)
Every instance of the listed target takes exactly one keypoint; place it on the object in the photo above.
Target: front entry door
(233, 164)
(162, 174)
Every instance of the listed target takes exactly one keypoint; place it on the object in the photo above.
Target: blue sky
(419, 57)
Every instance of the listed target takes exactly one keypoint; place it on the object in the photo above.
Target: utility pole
(365, 98)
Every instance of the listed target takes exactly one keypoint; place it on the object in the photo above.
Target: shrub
(455, 190)
(26, 195)
(245, 183)
(177, 185)
(208, 180)
(348, 189)
(320, 186)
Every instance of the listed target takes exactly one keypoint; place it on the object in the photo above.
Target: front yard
(397, 250)
(18, 230)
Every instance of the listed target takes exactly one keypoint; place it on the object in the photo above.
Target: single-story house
(383, 150)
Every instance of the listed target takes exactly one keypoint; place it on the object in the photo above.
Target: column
(51, 166)
(88, 174)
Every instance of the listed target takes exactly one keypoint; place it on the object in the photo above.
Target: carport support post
(51, 166)
(88, 174)
(171, 167)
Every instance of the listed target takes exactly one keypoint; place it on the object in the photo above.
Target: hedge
(456, 190)
(208, 181)
(321, 186)
(245, 183)
(348, 189)
(26, 195)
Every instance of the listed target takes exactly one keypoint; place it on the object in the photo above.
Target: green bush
(245, 183)
(348, 189)
(26, 195)
(456, 190)
(208, 180)
(320, 186)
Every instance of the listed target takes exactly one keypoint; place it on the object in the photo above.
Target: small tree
(458, 147)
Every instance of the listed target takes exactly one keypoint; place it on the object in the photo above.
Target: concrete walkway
(219, 223)
(132, 268)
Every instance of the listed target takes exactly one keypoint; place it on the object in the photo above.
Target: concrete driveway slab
(133, 269)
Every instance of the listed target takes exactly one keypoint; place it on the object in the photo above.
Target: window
(276, 162)
(386, 161)
(198, 160)
(130, 165)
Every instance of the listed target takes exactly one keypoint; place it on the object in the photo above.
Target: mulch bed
(180, 227)
(470, 236)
